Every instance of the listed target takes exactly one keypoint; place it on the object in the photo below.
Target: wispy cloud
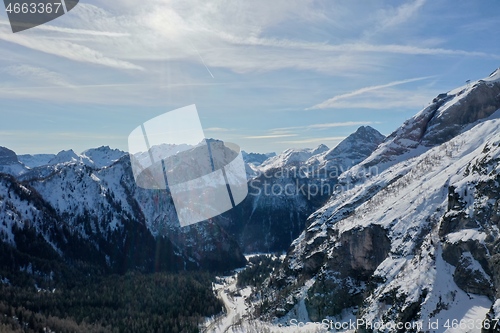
(273, 136)
(401, 14)
(330, 103)
(217, 129)
(48, 27)
(178, 30)
(67, 50)
(284, 130)
(33, 73)
(315, 140)
(342, 124)
(355, 47)
(389, 99)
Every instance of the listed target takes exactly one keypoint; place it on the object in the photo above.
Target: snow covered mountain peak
(320, 149)
(36, 160)
(103, 156)
(256, 158)
(448, 115)
(65, 156)
(348, 152)
(495, 76)
(359, 140)
(289, 157)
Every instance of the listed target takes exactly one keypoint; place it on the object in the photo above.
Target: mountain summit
(448, 115)
(349, 152)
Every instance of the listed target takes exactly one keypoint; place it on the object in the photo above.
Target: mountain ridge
(418, 239)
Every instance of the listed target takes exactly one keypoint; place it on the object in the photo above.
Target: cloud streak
(402, 14)
(320, 126)
(361, 47)
(273, 136)
(62, 48)
(33, 73)
(334, 100)
(314, 140)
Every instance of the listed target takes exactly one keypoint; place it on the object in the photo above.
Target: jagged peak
(366, 129)
(366, 132)
(364, 135)
(65, 155)
(103, 156)
(320, 149)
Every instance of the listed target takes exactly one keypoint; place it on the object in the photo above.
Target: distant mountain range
(285, 189)
(86, 212)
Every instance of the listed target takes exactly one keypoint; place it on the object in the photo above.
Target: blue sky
(267, 75)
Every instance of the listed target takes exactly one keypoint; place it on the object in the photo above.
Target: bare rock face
(342, 273)
(471, 278)
(480, 104)
(359, 251)
(354, 258)
(447, 115)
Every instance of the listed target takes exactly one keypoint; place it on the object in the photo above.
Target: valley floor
(238, 314)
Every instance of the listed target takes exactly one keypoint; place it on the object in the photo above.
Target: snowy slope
(110, 199)
(36, 160)
(411, 234)
(291, 157)
(88, 208)
(448, 115)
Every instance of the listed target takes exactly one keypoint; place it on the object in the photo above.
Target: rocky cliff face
(418, 241)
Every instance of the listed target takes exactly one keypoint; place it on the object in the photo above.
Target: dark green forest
(134, 302)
